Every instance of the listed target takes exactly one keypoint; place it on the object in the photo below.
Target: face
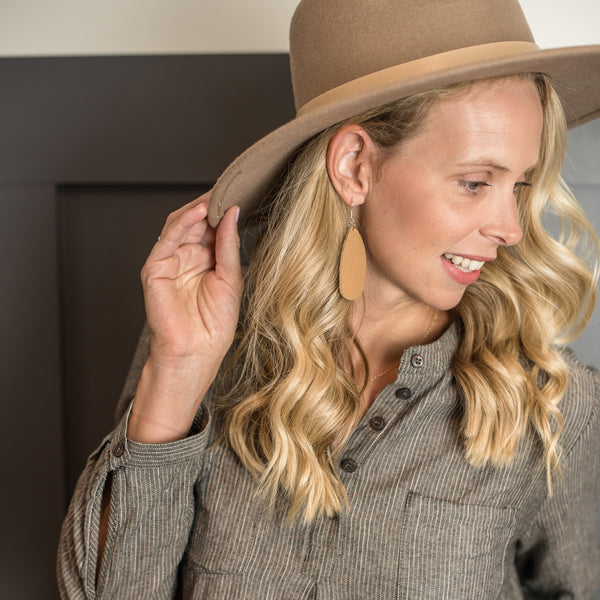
(442, 204)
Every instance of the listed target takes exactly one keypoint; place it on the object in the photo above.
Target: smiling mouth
(466, 265)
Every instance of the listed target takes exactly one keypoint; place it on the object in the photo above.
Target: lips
(466, 265)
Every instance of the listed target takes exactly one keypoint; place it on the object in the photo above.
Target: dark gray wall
(94, 153)
(32, 498)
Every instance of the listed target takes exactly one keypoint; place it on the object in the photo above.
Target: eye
(519, 186)
(473, 186)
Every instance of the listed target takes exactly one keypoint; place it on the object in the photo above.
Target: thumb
(227, 246)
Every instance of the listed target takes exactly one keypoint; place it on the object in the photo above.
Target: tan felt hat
(348, 56)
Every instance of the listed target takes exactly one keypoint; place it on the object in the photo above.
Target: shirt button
(349, 465)
(403, 393)
(416, 360)
(377, 423)
(119, 449)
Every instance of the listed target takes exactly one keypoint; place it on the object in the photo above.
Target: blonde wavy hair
(292, 401)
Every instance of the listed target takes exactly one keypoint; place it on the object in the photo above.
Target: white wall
(84, 27)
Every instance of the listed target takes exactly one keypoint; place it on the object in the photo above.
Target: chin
(445, 302)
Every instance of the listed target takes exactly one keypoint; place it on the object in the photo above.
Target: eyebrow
(486, 162)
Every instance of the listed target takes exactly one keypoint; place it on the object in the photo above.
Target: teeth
(464, 264)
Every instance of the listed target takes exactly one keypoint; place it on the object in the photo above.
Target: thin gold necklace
(434, 318)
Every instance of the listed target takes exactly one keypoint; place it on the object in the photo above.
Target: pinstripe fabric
(185, 521)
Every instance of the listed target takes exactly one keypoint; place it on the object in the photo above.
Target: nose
(502, 226)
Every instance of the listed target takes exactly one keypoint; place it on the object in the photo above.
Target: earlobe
(349, 163)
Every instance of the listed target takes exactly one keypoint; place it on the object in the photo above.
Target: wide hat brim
(574, 71)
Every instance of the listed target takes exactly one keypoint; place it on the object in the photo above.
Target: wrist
(167, 400)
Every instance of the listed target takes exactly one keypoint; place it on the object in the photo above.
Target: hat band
(451, 59)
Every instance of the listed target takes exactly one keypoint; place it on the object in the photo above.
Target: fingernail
(237, 214)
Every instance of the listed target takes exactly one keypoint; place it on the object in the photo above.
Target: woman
(400, 423)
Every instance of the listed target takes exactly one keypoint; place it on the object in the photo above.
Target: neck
(385, 331)
(384, 334)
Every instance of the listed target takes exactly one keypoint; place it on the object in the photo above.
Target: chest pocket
(453, 551)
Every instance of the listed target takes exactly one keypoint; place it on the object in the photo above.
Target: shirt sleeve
(152, 507)
(560, 556)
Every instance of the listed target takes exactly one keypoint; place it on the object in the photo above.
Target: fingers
(187, 262)
(188, 225)
(187, 228)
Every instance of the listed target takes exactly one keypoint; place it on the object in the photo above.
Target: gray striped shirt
(185, 521)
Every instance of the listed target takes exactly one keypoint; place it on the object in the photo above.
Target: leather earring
(353, 263)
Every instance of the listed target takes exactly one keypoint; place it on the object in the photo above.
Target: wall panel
(98, 150)
(31, 444)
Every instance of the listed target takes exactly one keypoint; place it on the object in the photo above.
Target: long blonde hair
(292, 396)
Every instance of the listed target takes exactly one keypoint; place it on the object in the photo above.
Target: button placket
(386, 412)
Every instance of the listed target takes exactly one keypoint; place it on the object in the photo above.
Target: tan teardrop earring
(353, 262)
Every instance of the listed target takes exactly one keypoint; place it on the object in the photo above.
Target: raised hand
(193, 284)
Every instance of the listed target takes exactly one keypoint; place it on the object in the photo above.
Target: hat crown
(336, 41)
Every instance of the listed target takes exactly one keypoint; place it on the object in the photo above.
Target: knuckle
(171, 217)
(149, 271)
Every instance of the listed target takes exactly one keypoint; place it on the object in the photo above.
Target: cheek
(425, 222)
(431, 232)
(400, 206)
(404, 211)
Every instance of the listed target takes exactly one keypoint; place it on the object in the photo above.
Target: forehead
(501, 118)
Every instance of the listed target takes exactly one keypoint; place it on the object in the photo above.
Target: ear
(350, 163)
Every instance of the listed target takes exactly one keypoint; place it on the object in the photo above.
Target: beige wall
(84, 27)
